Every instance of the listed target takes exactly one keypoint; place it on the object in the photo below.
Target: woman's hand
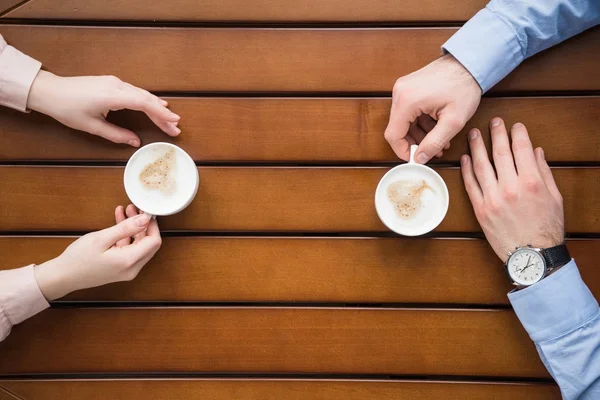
(111, 255)
(83, 103)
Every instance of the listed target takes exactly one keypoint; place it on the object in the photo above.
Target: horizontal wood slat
(314, 60)
(308, 130)
(247, 389)
(6, 5)
(5, 395)
(254, 10)
(308, 270)
(380, 341)
(252, 199)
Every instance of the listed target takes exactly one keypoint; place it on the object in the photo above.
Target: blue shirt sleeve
(562, 317)
(506, 32)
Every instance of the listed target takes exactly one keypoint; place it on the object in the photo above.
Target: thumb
(114, 133)
(129, 227)
(446, 128)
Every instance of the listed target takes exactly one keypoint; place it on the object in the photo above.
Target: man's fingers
(120, 217)
(131, 212)
(397, 129)
(125, 229)
(481, 163)
(503, 159)
(116, 134)
(471, 184)
(445, 129)
(547, 176)
(523, 152)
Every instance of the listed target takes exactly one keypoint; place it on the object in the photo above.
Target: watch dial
(526, 267)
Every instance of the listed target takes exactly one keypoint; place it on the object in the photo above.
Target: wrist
(42, 92)
(52, 279)
(462, 72)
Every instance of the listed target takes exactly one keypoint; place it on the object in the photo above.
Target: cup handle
(413, 150)
(152, 216)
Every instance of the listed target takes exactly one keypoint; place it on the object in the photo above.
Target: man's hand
(111, 255)
(522, 205)
(83, 102)
(430, 106)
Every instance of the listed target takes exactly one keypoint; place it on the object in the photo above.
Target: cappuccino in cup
(161, 179)
(411, 199)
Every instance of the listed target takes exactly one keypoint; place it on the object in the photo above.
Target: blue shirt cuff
(555, 306)
(487, 47)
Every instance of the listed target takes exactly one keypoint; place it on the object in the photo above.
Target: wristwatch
(528, 265)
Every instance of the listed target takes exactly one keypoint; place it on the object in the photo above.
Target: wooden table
(279, 282)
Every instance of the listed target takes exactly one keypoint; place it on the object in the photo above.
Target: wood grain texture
(305, 130)
(227, 389)
(357, 270)
(253, 10)
(6, 395)
(294, 340)
(314, 60)
(6, 5)
(252, 199)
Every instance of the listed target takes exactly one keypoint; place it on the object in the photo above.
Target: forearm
(563, 319)
(20, 298)
(17, 73)
(506, 32)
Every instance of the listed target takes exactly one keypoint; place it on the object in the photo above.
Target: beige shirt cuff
(20, 298)
(17, 73)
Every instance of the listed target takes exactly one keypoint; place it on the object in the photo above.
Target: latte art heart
(160, 174)
(405, 196)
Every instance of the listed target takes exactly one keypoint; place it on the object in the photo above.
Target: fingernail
(134, 143)
(473, 134)
(177, 130)
(421, 158)
(463, 160)
(142, 220)
(518, 125)
(542, 154)
(176, 116)
(495, 122)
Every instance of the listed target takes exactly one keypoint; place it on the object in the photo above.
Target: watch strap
(556, 256)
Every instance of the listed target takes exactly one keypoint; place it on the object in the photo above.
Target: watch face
(526, 267)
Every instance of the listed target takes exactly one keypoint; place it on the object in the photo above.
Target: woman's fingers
(131, 211)
(120, 217)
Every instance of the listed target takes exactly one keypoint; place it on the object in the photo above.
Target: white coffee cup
(153, 201)
(434, 199)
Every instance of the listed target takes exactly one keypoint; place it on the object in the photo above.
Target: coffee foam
(160, 179)
(161, 173)
(411, 199)
(406, 197)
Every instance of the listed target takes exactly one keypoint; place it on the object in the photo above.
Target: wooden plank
(300, 129)
(284, 389)
(286, 340)
(308, 270)
(6, 395)
(253, 10)
(252, 199)
(6, 5)
(313, 60)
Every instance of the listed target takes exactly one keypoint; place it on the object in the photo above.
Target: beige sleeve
(17, 73)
